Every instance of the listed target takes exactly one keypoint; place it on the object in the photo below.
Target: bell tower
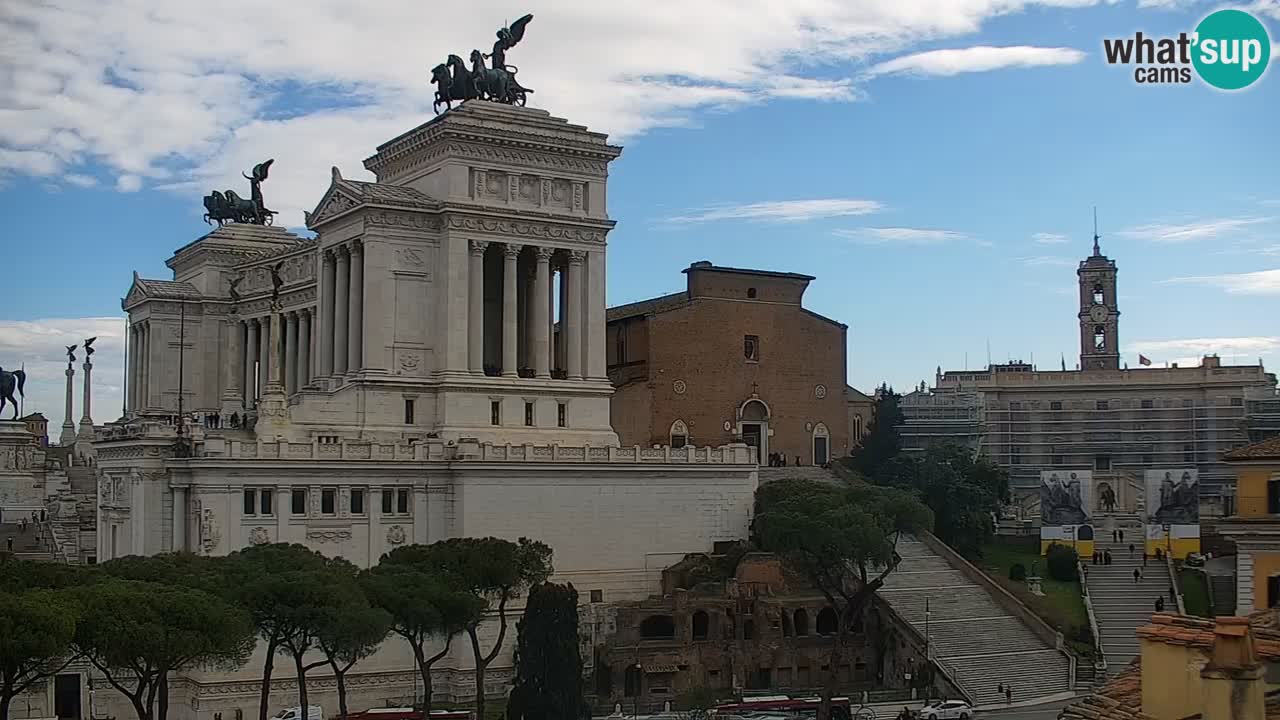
(1099, 314)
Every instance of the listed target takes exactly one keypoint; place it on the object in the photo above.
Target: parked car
(314, 712)
(946, 710)
(1195, 559)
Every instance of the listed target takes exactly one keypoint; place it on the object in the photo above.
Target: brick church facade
(735, 356)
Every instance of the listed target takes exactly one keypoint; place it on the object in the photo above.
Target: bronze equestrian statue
(225, 207)
(455, 83)
(10, 381)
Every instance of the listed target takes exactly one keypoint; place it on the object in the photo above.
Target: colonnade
(139, 397)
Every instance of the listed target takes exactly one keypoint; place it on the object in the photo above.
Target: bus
(782, 705)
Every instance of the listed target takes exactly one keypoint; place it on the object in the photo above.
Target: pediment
(336, 201)
(136, 292)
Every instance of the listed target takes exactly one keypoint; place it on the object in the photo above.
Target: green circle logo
(1231, 49)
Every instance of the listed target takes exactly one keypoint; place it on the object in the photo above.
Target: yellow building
(1255, 526)
(1194, 668)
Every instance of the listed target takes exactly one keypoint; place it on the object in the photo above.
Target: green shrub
(1062, 562)
(1018, 572)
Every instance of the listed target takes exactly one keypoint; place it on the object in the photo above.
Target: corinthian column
(510, 326)
(291, 353)
(250, 362)
(233, 371)
(475, 308)
(329, 279)
(355, 314)
(342, 286)
(304, 348)
(542, 314)
(572, 326)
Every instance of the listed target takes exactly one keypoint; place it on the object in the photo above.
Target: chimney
(1233, 683)
(1211, 361)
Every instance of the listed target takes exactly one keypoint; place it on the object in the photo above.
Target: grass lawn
(1062, 605)
(1195, 592)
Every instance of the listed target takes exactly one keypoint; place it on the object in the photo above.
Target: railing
(1177, 586)
(1101, 663)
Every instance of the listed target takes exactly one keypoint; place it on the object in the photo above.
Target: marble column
(542, 314)
(132, 375)
(68, 425)
(86, 419)
(144, 401)
(572, 325)
(562, 313)
(250, 363)
(510, 325)
(264, 354)
(234, 367)
(275, 341)
(341, 306)
(475, 308)
(291, 353)
(355, 314)
(527, 322)
(304, 349)
(329, 279)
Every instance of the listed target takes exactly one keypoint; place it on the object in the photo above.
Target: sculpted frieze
(525, 229)
(387, 218)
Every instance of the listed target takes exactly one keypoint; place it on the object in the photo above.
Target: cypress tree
(548, 682)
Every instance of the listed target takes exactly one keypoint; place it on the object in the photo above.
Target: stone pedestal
(18, 492)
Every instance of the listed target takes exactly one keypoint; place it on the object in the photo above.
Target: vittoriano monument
(230, 207)
(456, 83)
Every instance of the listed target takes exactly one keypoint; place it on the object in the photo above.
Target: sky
(934, 163)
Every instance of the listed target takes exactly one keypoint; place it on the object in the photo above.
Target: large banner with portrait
(1066, 497)
(1173, 511)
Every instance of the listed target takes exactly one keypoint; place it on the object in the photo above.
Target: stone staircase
(982, 644)
(25, 545)
(1120, 605)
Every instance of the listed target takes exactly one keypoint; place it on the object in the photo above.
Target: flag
(1144, 360)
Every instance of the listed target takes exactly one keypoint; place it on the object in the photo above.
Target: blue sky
(942, 199)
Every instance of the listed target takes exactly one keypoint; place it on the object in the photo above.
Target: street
(1048, 711)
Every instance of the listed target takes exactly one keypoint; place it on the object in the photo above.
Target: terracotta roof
(1121, 697)
(1264, 450)
(659, 304)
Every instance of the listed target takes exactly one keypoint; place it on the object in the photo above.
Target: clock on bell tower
(1099, 315)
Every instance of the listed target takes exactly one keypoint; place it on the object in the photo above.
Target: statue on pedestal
(10, 381)
(454, 82)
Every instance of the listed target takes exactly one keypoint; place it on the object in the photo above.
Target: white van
(314, 712)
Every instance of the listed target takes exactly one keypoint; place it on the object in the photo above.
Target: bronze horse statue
(453, 83)
(10, 381)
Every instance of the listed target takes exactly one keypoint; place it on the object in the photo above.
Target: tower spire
(1096, 237)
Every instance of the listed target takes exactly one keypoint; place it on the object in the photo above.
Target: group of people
(24, 524)
(1101, 557)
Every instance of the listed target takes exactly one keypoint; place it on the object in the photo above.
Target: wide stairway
(980, 642)
(1120, 605)
(25, 545)
(796, 472)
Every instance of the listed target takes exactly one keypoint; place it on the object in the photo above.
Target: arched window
(1097, 293)
(754, 411)
(1099, 338)
(701, 625)
(679, 434)
(657, 627)
(821, 444)
(827, 623)
(857, 428)
(802, 622)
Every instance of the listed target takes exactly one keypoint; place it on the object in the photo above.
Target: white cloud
(1190, 232)
(40, 345)
(164, 92)
(128, 183)
(1048, 261)
(900, 235)
(78, 180)
(977, 59)
(1045, 238)
(1263, 282)
(783, 210)
(1190, 350)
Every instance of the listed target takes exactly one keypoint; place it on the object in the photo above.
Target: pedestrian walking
(41, 514)
(1008, 694)
(1160, 604)
(1144, 558)
(1121, 531)
(1106, 557)
(1137, 575)
(9, 543)
(1172, 595)
(1130, 549)
(1115, 535)
(1000, 688)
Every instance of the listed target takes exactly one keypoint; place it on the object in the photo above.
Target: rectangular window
(387, 496)
(408, 412)
(560, 415)
(1102, 405)
(528, 414)
(597, 596)
(402, 501)
(328, 504)
(495, 412)
(250, 502)
(264, 501)
(1102, 462)
(751, 348)
(357, 501)
(1147, 404)
(298, 501)
(1055, 405)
